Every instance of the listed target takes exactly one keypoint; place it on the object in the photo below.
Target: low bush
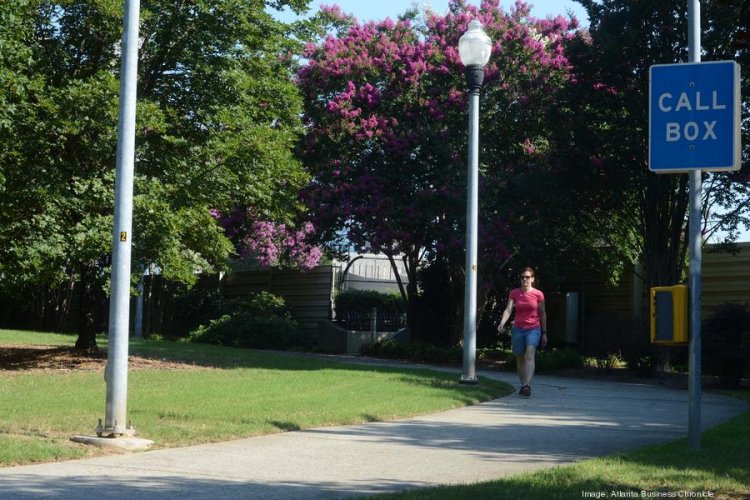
(389, 349)
(726, 343)
(551, 360)
(413, 351)
(262, 321)
(498, 352)
(193, 308)
(363, 301)
(611, 341)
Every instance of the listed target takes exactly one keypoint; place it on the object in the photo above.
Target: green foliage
(261, 303)
(602, 139)
(261, 322)
(413, 351)
(363, 301)
(552, 360)
(726, 343)
(437, 310)
(608, 340)
(218, 117)
(194, 307)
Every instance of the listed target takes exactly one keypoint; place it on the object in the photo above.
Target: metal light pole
(696, 256)
(474, 47)
(116, 374)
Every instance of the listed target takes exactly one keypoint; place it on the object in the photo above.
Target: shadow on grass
(721, 467)
(239, 358)
(21, 358)
(284, 426)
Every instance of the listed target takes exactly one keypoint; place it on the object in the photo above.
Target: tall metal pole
(696, 256)
(469, 375)
(119, 304)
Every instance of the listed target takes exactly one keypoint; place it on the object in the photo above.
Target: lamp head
(475, 46)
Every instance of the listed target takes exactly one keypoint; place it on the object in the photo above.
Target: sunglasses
(526, 277)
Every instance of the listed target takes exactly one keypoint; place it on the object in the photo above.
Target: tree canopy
(385, 112)
(605, 132)
(218, 118)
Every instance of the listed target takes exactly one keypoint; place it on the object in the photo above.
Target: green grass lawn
(254, 392)
(247, 393)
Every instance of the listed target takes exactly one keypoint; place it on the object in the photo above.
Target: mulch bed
(16, 358)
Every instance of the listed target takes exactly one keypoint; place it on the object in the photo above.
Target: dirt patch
(15, 358)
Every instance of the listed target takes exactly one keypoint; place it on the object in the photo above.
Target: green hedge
(726, 343)
(362, 301)
(262, 321)
(413, 351)
(550, 360)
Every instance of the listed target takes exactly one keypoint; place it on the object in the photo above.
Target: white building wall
(371, 272)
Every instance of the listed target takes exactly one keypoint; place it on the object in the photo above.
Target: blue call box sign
(694, 117)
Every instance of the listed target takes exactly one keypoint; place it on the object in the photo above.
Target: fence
(363, 321)
(309, 294)
(725, 278)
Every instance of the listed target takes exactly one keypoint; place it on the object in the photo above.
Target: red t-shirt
(527, 307)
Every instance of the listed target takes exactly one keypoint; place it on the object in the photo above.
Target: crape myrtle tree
(267, 244)
(218, 117)
(386, 145)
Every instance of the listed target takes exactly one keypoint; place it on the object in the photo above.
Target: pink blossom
(386, 108)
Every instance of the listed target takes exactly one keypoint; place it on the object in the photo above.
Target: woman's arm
(543, 322)
(506, 315)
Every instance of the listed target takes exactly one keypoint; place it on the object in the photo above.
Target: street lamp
(474, 47)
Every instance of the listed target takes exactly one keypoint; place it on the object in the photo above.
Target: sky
(367, 10)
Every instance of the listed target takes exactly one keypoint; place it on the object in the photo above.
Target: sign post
(694, 125)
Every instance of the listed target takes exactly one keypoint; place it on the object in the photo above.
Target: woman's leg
(532, 341)
(529, 364)
(521, 368)
(518, 346)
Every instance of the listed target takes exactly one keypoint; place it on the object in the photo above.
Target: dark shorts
(521, 338)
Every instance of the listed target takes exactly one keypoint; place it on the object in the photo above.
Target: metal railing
(374, 320)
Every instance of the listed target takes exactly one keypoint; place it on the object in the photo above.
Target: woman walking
(529, 326)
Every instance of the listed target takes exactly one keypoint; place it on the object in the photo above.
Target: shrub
(363, 301)
(605, 364)
(193, 308)
(638, 352)
(551, 360)
(414, 351)
(261, 321)
(498, 352)
(389, 349)
(726, 343)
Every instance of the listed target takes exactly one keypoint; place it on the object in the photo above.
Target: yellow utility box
(669, 315)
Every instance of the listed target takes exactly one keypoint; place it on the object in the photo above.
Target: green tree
(603, 141)
(218, 116)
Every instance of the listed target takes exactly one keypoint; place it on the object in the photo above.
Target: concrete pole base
(123, 443)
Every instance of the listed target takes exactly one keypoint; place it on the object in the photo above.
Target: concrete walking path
(564, 420)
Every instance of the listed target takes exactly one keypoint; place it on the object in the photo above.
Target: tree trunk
(457, 280)
(409, 291)
(87, 321)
